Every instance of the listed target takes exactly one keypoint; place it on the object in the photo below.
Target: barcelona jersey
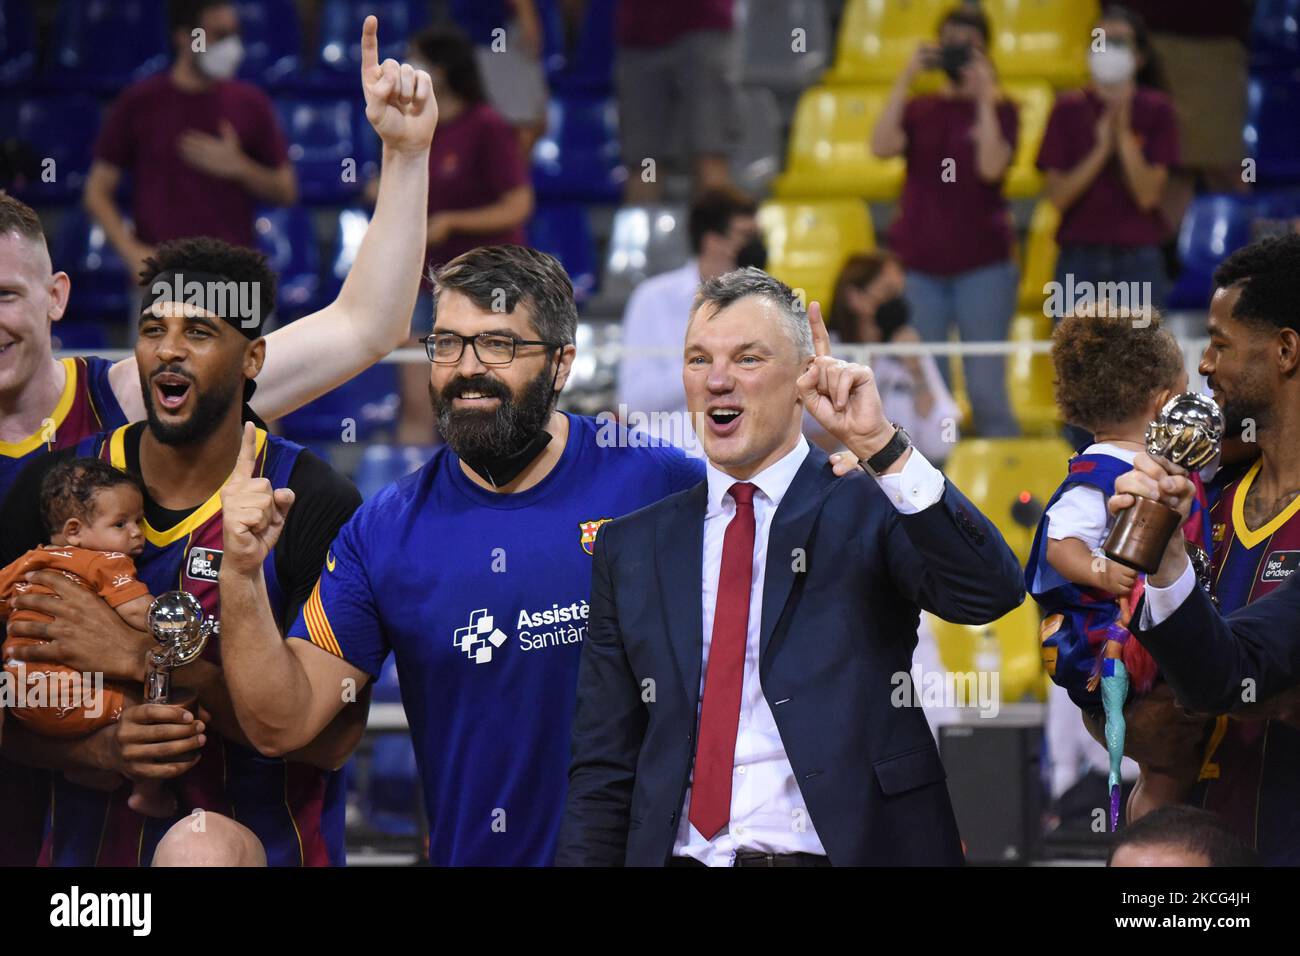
(483, 600)
(1251, 774)
(86, 405)
(294, 809)
(1079, 620)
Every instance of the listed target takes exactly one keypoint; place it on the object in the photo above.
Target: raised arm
(284, 693)
(372, 313)
(945, 555)
(888, 139)
(1214, 663)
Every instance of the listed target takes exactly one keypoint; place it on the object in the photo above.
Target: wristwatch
(881, 460)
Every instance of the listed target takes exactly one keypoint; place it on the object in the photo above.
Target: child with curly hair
(1115, 371)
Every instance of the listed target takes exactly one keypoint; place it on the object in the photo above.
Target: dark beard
(479, 436)
(210, 408)
(1238, 408)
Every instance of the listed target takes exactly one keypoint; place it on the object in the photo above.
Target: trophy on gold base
(1187, 433)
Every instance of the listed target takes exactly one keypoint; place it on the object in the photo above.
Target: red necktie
(715, 750)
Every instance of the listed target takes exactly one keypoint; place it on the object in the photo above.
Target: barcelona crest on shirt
(589, 529)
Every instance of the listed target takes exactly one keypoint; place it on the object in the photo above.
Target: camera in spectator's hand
(952, 59)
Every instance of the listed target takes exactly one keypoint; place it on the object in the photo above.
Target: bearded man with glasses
(475, 571)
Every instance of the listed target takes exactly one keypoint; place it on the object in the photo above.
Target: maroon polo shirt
(1107, 213)
(944, 228)
(172, 199)
(474, 161)
(656, 23)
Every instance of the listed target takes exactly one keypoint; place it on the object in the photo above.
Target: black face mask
(892, 315)
(752, 253)
(953, 59)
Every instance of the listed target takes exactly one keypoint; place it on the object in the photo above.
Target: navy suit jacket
(846, 575)
(1207, 657)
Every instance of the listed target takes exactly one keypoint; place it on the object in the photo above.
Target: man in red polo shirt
(202, 149)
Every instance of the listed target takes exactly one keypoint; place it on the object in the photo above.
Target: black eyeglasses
(446, 348)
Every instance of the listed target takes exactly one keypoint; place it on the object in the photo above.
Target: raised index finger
(821, 338)
(247, 460)
(369, 46)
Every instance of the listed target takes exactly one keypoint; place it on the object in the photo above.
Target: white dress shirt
(655, 323)
(1159, 604)
(767, 810)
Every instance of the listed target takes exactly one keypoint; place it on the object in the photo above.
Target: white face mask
(1117, 64)
(222, 59)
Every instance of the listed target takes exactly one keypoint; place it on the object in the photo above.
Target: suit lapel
(791, 527)
(679, 555)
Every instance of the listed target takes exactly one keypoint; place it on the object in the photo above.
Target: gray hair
(731, 287)
(498, 278)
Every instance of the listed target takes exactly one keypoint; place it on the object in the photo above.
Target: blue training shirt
(483, 599)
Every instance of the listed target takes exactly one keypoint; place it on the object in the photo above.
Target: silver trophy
(177, 623)
(1188, 432)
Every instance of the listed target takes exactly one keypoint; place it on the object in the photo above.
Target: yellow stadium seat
(995, 472)
(957, 385)
(807, 242)
(830, 147)
(878, 37)
(1020, 674)
(1039, 266)
(1035, 99)
(1029, 378)
(1042, 39)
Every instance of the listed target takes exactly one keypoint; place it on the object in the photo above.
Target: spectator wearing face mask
(869, 307)
(954, 232)
(202, 148)
(724, 236)
(1106, 156)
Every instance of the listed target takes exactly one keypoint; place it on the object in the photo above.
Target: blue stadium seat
(381, 465)
(106, 44)
(52, 126)
(348, 233)
(591, 67)
(1275, 34)
(352, 412)
(287, 238)
(555, 54)
(338, 57)
(17, 42)
(562, 229)
(1213, 227)
(578, 158)
(322, 135)
(272, 41)
(1272, 134)
(644, 241)
(392, 803)
(76, 336)
(100, 285)
(370, 400)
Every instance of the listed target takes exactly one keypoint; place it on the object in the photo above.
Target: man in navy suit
(734, 694)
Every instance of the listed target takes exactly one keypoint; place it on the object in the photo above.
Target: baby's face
(118, 523)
